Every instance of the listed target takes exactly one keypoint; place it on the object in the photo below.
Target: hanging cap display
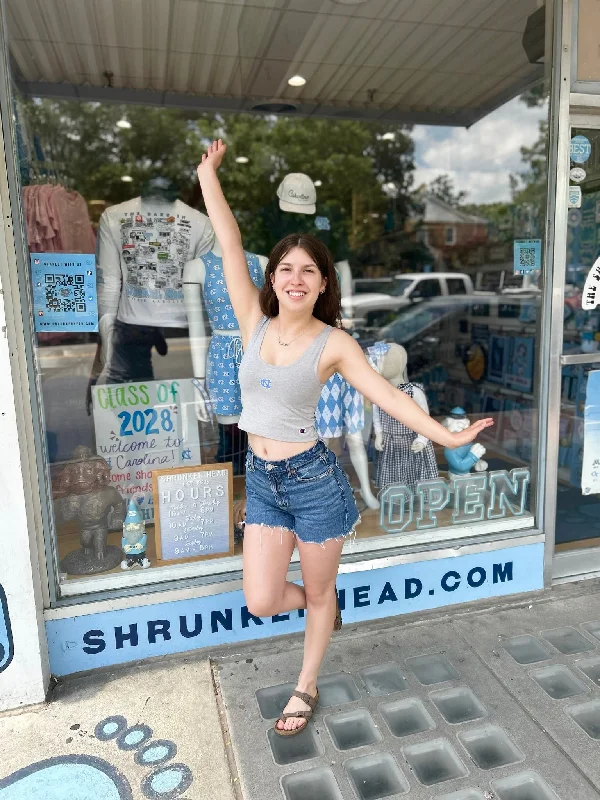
(133, 514)
(458, 413)
(297, 194)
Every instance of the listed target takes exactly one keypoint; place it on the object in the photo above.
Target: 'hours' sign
(193, 512)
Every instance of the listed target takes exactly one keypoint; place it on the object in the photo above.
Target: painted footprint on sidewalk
(80, 777)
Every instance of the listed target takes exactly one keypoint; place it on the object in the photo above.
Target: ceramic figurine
(462, 459)
(134, 539)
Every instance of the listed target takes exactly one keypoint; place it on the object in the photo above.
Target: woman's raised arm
(242, 291)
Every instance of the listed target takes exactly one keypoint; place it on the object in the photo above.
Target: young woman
(297, 495)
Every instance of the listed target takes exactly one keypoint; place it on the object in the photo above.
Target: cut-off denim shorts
(307, 494)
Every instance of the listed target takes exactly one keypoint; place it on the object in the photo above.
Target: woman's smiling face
(297, 280)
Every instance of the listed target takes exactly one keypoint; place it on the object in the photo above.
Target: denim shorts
(307, 494)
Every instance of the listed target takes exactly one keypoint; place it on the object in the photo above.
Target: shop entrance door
(577, 541)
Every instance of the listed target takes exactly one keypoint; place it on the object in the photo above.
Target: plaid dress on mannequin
(397, 464)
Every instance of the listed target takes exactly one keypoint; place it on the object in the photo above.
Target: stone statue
(84, 494)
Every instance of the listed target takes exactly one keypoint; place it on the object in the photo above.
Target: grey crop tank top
(280, 402)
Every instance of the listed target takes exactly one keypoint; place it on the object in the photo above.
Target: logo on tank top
(265, 383)
(302, 430)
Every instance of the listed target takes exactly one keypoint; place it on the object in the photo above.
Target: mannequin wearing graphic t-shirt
(142, 247)
(216, 363)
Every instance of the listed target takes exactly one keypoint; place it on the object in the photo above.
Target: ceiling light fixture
(124, 124)
(242, 160)
(126, 178)
(297, 80)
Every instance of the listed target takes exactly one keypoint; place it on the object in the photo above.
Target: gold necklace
(287, 344)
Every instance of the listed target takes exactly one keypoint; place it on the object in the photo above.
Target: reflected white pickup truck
(366, 310)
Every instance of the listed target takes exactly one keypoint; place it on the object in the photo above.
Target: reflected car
(406, 290)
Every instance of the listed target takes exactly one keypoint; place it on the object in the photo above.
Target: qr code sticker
(65, 293)
(527, 258)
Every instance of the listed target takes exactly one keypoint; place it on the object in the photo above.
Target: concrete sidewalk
(146, 731)
(501, 701)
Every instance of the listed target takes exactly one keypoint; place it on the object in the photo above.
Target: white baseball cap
(297, 194)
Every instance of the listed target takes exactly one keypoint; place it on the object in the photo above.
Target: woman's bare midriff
(273, 450)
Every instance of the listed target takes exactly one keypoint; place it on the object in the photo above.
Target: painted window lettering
(189, 626)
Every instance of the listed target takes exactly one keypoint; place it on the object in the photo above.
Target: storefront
(429, 146)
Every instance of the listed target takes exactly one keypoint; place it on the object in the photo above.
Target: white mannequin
(355, 441)
(345, 275)
(106, 325)
(137, 224)
(194, 274)
(392, 366)
(358, 457)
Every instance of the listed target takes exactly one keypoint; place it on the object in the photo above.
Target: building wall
(24, 670)
(466, 235)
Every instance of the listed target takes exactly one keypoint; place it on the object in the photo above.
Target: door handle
(581, 358)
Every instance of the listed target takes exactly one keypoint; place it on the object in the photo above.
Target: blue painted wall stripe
(116, 637)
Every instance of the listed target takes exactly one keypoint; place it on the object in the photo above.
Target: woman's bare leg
(267, 554)
(319, 571)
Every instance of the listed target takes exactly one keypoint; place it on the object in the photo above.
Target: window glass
(456, 286)
(137, 347)
(401, 286)
(427, 288)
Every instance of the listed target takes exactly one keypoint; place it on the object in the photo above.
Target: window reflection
(421, 221)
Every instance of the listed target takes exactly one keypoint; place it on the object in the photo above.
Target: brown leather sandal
(310, 701)
(337, 623)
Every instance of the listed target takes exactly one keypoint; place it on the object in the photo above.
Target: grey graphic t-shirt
(142, 248)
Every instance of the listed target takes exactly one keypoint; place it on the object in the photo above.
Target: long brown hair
(328, 307)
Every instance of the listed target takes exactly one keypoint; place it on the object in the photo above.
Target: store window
(136, 343)
(578, 489)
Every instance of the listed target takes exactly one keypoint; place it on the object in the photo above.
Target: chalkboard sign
(193, 512)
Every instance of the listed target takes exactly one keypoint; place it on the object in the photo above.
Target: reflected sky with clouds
(480, 159)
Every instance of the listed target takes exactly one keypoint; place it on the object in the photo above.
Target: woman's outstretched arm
(242, 291)
(348, 359)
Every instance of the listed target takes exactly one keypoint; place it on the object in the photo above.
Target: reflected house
(456, 239)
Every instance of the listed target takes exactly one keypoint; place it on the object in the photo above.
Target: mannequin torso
(217, 361)
(143, 244)
(405, 456)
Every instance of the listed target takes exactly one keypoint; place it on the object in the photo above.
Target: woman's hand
(470, 433)
(213, 156)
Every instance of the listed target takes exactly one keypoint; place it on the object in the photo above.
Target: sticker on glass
(574, 200)
(574, 218)
(591, 292)
(64, 292)
(580, 149)
(577, 174)
(527, 256)
(590, 470)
